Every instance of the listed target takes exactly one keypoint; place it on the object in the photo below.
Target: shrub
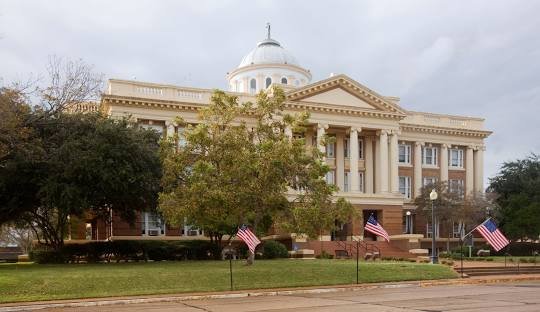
(325, 255)
(44, 256)
(274, 250)
(128, 251)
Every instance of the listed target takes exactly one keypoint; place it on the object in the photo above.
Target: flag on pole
(491, 233)
(374, 227)
(248, 237)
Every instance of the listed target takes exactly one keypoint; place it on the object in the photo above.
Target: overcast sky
(474, 58)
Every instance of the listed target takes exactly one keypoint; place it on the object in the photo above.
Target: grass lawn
(29, 282)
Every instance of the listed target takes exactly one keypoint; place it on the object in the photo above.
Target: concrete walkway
(508, 297)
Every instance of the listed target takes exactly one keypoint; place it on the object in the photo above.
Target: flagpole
(230, 261)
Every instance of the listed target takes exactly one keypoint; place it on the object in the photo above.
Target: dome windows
(253, 85)
(284, 80)
(268, 82)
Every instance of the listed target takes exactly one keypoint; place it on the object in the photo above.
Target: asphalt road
(509, 297)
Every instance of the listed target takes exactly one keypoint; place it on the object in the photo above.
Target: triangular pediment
(339, 96)
(342, 91)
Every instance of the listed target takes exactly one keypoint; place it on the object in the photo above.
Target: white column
(340, 162)
(417, 168)
(320, 135)
(469, 170)
(393, 162)
(288, 132)
(383, 161)
(444, 162)
(479, 169)
(368, 163)
(353, 160)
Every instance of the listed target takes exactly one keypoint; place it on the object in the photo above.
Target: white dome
(268, 51)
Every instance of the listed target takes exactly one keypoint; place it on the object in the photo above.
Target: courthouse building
(383, 153)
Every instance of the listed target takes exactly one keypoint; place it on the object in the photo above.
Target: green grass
(32, 282)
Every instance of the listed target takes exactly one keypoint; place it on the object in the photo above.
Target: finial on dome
(268, 28)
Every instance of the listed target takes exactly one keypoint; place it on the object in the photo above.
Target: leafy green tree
(87, 164)
(452, 207)
(518, 188)
(239, 167)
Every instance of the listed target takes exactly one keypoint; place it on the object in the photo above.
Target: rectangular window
(405, 154)
(330, 177)
(331, 150)
(456, 158)
(360, 149)
(429, 156)
(429, 181)
(456, 186)
(429, 230)
(152, 224)
(181, 137)
(346, 181)
(405, 186)
(346, 148)
(156, 127)
(361, 178)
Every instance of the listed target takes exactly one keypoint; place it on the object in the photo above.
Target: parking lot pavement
(517, 296)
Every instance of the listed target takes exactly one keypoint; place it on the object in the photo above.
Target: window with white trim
(156, 127)
(429, 181)
(181, 137)
(253, 85)
(405, 186)
(429, 156)
(346, 147)
(152, 224)
(331, 177)
(331, 149)
(346, 181)
(360, 148)
(361, 179)
(284, 80)
(456, 158)
(456, 186)
(268, 81)
(404, 154)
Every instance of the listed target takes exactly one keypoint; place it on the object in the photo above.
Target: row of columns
(474, 164)
(385, 161)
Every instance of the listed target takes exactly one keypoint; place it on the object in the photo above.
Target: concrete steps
(495, 270)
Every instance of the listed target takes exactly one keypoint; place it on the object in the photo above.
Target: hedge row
(130, 250)
(127, 251)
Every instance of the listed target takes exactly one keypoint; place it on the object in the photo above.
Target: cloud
(476, 58)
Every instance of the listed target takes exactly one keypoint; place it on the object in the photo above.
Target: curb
(255, 293)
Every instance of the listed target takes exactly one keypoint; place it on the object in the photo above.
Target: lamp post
(408, 223)
(433, 196)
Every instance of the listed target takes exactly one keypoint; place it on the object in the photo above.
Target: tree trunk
(250, 259)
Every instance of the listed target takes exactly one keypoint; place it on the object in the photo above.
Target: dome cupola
(267, 64)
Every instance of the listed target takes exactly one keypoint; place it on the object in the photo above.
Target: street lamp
(433, 196)
(408, 223)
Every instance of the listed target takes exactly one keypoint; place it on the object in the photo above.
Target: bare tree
(70, 82)
(17, 235)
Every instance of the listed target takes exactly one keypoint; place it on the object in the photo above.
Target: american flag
(491, 233)
(374, 227)
(248, 237)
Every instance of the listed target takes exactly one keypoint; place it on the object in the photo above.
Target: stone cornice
(444, 130)
(108, 99)
(342, 110)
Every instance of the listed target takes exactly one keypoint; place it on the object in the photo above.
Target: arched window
(284, 80)
(268, 82)
(252, 85)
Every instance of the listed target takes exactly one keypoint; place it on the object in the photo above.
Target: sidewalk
(34, 306)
